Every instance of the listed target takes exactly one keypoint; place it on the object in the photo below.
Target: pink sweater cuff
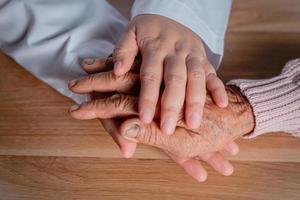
(275, 102)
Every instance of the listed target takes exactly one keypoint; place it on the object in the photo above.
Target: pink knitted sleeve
(275, 102)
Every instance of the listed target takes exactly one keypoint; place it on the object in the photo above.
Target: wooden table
(46, 155)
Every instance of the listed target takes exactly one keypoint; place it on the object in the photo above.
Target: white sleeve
(48, 38)
(207, 18)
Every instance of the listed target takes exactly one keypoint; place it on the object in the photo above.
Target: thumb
(150, 134)
(125, 52)
(135, 130)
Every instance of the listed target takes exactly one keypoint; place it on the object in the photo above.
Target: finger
(191, 166)
(195, 92)
(105, 82)
(127, 147)
(232, 148)
(217, 89)
(151, 76)
(173, 96)
(125, 52)
(218, 162)
(93, 65)
(114, 106)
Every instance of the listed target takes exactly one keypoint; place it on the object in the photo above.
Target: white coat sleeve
(48, 38)
(207, 18)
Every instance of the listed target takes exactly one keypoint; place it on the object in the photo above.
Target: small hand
(175, 54)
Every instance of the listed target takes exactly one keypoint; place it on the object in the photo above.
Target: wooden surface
(44, 154)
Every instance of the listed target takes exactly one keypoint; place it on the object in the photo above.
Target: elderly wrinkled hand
(219, 127)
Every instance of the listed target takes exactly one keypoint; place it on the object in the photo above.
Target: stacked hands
(147, 98)
(115, 103)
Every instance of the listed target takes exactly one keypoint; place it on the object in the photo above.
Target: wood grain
(44, 154)
(47, 178)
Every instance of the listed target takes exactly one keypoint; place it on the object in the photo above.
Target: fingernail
(88, 61)
(74, 107)
(167, 126)
(202, 177)
(194, 120)
(228, 169)
(118, 67)
(132, 131)
(73, 83)
(147, 116)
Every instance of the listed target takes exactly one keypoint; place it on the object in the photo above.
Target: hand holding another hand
(172, 55)
(220, 126)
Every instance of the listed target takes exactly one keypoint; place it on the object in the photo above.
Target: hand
(219, 127)
(108, 82)
(175, 54)
(91, 66)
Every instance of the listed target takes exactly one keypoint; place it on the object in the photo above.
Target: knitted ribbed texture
(275, 102)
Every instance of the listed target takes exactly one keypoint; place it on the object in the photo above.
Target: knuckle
(147, 138)
(195, 104)
(157, 54)
(196, 73)
(126, 78)
(115, 100)
(108, 77)
(175, 78)
(180, 48)
(90, 80)
(126, 102)
(203, 61)
(93, 107)
(171, 109)
(151, 43)
(150, 77)
(152, 136)
(121, 102)
(192, 63)
(146, 102)
(93, 104)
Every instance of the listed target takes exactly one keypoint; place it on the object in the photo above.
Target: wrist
(242, 113)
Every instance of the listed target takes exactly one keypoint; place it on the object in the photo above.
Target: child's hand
(175, 54)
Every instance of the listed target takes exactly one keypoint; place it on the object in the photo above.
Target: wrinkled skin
(174, 55)
(219, 127)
